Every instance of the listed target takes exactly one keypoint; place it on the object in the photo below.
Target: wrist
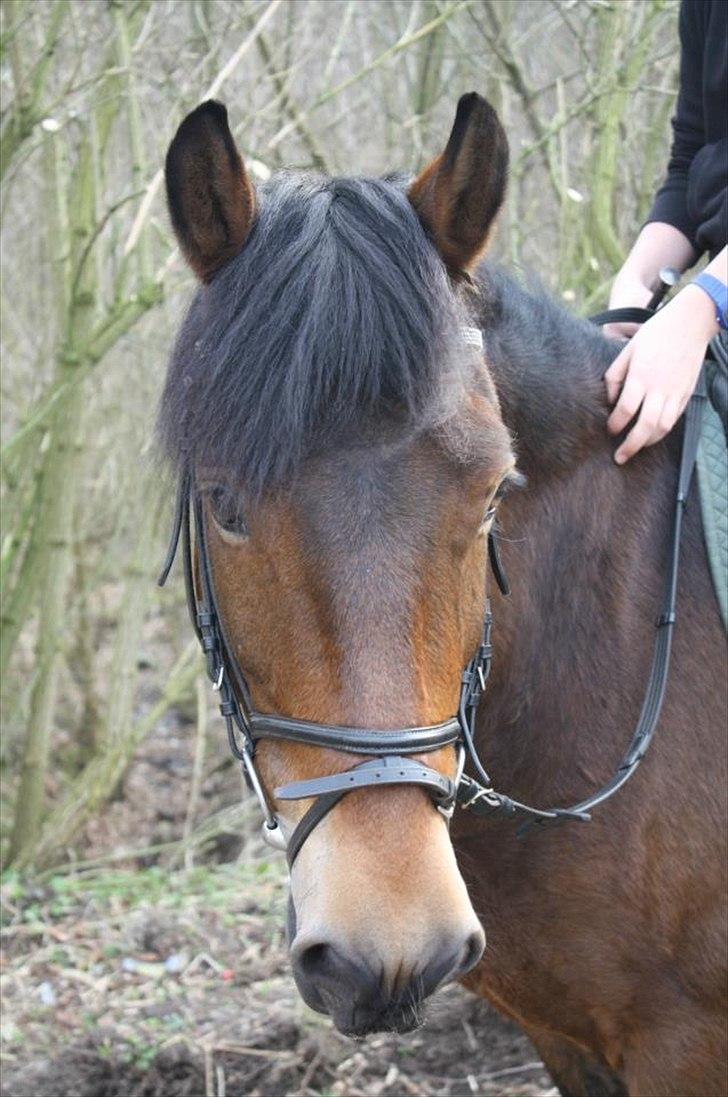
(700, 308)
(716, 292)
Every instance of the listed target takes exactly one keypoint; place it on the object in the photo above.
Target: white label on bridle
(473, 337)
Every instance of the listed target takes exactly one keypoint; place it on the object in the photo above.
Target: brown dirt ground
(164, 974)
(107, 993)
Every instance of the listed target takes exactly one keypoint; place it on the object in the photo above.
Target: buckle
(473, 796)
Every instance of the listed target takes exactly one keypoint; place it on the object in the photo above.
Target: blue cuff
(718, 294)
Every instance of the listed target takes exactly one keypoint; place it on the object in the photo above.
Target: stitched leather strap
(319, 809)
(392, 770)
(327, 791)
(418, 740)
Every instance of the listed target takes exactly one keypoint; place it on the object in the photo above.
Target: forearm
(658, 245)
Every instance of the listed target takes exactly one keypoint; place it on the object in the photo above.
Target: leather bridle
(392, 750)
(390, 754)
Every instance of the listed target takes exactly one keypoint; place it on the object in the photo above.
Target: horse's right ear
(210, 197)
(458, 195)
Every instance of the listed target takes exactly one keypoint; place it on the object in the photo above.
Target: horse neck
(585, 554)
(584, 546)
(547, 366)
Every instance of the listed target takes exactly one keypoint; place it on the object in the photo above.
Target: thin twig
(381, 59)
(227, 69)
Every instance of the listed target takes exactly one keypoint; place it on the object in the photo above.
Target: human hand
(658, 370)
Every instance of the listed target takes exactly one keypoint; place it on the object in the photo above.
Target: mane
(548, 367)
(336, 318)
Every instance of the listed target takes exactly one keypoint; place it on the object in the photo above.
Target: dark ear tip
(213, 107)
(211, 110)
(471, 102)
(470, 99)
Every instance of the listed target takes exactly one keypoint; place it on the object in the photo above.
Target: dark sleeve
(688, 134)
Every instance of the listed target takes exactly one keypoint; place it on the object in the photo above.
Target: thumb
(615, 375)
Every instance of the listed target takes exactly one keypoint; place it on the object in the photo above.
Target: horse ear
(458, 195)
(210, 197)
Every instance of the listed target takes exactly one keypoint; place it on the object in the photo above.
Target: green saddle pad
(712, 468)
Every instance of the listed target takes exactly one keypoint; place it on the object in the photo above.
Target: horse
(350, 451)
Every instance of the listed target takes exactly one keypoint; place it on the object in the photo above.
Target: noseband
(390, 754)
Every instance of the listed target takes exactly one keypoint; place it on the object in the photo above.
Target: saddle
(716, 376)
(712, 469)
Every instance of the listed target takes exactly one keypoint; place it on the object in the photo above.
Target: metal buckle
(217, 684)
(479, 793)
(447, 812)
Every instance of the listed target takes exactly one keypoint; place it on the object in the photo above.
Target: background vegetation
(93, 287)
(102, 687)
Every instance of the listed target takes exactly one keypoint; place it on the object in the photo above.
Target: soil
(158, 983)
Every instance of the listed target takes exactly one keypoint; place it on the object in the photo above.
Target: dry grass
(146, 982)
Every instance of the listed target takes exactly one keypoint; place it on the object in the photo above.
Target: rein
(392, 763)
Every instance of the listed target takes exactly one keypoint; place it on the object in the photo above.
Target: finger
(616, 373)
(671, 412)
(668, 417)
(684, 401)
(620, 331)
(644, 428)
(632, 395)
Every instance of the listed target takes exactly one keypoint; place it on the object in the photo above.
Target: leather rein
(390, 753)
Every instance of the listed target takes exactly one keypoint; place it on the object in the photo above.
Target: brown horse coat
(606, 941)
(347, 446)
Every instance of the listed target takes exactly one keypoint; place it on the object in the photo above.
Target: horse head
(346, 453)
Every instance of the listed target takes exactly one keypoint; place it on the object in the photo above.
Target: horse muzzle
(363, 993)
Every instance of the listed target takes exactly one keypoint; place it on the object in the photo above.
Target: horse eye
(227, 511)
(511, 480)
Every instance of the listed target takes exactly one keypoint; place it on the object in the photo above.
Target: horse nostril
(314, 959)
(474, 949)
(447, 964)
(333, 981)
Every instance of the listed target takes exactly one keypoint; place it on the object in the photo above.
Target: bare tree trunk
(55, 521)
(620, 72)
(29, 81)
(92, 788)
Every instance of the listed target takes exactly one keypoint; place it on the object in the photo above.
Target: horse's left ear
(458, 195)
(210, 197)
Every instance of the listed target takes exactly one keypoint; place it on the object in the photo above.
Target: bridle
(390, 754)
